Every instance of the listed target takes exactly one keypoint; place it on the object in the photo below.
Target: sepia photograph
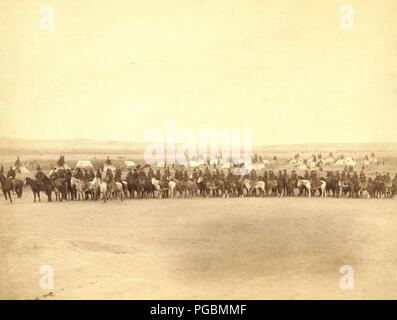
(198, 150)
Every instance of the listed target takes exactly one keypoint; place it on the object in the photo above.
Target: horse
(253, 186)
(334, 186)
(81, 187)
(201, 185)
(132, 185)
(394, 189)
(60, 186)
(100, 188)
(291, 185)
(379, 188)
(115, 189)
(146, 187)
(164, 185)
(215, 186)
(180, 188)
(6, 186)
(272, 186)
(34, 185)
(321, 186)
(47, 186)
(18, 187)
(171, 188)
(156, 186)
(389, 189)
(191, 188)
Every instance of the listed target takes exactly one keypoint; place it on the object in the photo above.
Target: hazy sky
(114, 69)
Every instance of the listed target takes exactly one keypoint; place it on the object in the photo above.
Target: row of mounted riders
(73, 185)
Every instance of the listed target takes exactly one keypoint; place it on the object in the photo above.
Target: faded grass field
(251, 248)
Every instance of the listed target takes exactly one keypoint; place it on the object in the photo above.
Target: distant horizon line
(143, 142)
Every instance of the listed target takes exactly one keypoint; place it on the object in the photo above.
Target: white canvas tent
(329, 160)
(22, 168)
(295, 162)
(84, 164)
(130, 164)
(193, 164)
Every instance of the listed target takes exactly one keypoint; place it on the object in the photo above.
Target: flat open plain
(250, 248)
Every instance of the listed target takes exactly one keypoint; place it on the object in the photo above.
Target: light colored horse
(157, 187)
(100, 186)
(115, 188)
(308, 186)
(252, 186)
(172, 187)
(81, 187)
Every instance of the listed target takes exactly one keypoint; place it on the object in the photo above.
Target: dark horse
(47, 186)
(18, 187)
(6, 186)
(34, 185)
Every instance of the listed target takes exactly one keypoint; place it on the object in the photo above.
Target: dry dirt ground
(251, 248)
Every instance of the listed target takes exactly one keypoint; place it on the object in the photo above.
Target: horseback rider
(223, 176)
(306, 175)
(98, 174)
(117, 175)
(167, 172)
(194, 175)
(185, 176)
(11, 174)
(91, 174)
(130, 175)
(355, 177)
(363, 178)
(18, 165)
(217, 174)
(253, 175)
(86, 176)
(158, 175)
(150, 173)
(78, 174)
(284, 176)
(109, 176)
(135, 175)
(53, 174)
(39, 175)
(207, 173)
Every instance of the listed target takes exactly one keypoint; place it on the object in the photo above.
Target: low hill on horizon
(32, 146)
